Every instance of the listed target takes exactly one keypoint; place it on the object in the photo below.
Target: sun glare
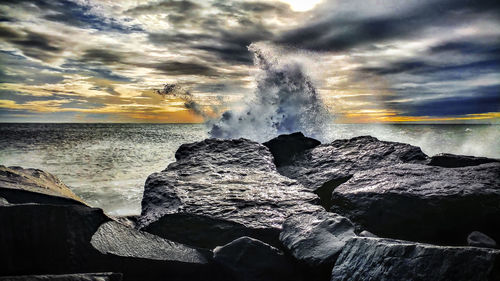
(302, 5)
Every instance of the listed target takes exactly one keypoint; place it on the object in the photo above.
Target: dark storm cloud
(36, 45)
(230, 46)
(71, 13)
(101, 55)
(165, 6)
(214, 36)
(484, 99)
(337, 32)
(175, 68)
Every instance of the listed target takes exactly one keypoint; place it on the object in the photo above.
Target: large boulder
(374, 259)
(248, 259)
(423, 203)
(105, 276)
(326, 166)
(64, 239)
(286, 147)
(316, 240)
(18, 185)
(455, 161)
(48, 239)
(219, 190)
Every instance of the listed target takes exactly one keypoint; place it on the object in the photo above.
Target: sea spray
(285, 101)
(176, 91)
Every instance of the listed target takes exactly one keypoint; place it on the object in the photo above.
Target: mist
(285, 101)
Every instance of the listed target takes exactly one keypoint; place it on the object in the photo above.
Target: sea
(107, 164)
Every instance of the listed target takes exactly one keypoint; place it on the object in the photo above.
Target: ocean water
(107, 164)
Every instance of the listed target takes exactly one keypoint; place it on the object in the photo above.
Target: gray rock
(105, 276)
(366, 233)
(316, 240)
(455, 161)
(286, 147)
(423, 203)
(248, 259)
(219, 190)
(113, 238)
(19, 185)
(325, 167)
(370, 259)
(478, 239)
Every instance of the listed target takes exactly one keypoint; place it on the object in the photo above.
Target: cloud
(354, 23)
(175, 68)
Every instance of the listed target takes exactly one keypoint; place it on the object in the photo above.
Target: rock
(478, 239)
(366, 233)
(18, 185)
(423, 203)
(371, 259)
(106, 276)
(454, 161)
(285, 148)
(248, 259)
(65, 239)
(48, 239)
(144, 256)
(219, 190)
(326, 166)
(316, 240)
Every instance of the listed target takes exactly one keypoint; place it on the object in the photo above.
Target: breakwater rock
(288, 209)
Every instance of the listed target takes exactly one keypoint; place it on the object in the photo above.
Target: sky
(376, 61)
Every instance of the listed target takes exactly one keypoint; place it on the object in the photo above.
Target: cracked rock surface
(219, 190)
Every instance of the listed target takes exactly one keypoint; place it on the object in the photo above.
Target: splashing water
(285, 101)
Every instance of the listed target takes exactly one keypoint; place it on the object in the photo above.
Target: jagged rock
(316, 240)
(248, 259)
(374, 259)
(423, 203)
(366, 233)
(478, 239)
(219, 190)
(286, 147)
(105, 276)
(455, 161)
(18, 185)
(326, 166)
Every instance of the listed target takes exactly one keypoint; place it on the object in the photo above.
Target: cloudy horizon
(430, 61)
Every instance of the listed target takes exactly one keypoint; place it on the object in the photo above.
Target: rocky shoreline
(288, 209)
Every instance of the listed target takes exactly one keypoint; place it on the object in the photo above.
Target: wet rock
(478, 239)
(219, 190)
(377, 259)
(106, 276)
(365, 233)
(423, 203)
(248, 259)
(326, 166)
(18, 185)
(316, 240)
(454, 161)
(286, 147)
(144, 256)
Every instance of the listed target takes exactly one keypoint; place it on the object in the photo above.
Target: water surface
(107, 164)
